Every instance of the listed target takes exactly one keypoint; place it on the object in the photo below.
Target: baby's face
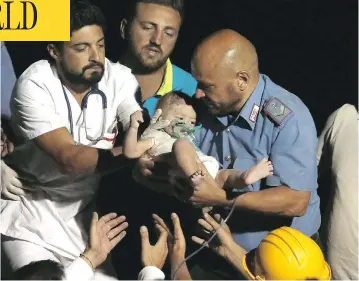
(180, 112)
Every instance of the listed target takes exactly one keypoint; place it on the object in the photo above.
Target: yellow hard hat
(288, 254)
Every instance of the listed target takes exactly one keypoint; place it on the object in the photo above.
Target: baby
(173, 132)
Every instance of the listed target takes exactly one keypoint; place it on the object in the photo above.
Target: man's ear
(243, 80)
(123, 28)
(53, 51)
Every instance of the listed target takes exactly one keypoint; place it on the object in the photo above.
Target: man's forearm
(179, 270)
(82, 159)
(280, 200)
(235, 256)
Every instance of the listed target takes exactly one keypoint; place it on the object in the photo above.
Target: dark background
(309, 47)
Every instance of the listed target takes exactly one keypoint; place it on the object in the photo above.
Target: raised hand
(154, 255)
(105, 234)
(223, 241)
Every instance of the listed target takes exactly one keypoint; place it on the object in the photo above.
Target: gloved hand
(11, 186)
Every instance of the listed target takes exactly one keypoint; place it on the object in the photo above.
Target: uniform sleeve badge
(276, 110)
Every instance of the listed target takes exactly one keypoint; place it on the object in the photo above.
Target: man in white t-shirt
(338, 169)
(64, 152)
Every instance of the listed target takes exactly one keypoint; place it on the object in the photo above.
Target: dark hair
(173, 97)
(40, 270)
(83, 13)
(176, 5)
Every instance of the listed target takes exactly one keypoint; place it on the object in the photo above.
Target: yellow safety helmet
(288, 254)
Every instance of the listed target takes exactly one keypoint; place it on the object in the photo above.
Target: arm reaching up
(132, 147)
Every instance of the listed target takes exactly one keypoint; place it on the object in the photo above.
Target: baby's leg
(236, 179)
(187, 160)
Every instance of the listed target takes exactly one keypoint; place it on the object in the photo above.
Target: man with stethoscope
(66, 111)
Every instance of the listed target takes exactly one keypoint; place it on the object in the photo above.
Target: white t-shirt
(57, 213)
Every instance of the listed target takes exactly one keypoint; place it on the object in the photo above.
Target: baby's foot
(262, 169)
(196, 178)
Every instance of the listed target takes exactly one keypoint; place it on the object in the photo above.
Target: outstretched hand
(176, 241)
(154, 255)
(105, 234)
(223, 241)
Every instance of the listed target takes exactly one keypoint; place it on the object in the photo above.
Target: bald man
(246, 117)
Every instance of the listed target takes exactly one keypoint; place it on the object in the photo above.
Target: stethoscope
(93, 91)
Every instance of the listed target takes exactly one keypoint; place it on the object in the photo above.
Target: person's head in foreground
(286, 254)
(151, 30)
(40, 270)
(225, 64)
(177, 107)
(81, 60)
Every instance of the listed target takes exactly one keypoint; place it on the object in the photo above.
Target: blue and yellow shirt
(175, 79)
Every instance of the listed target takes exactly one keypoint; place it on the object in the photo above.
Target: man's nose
(94, 54)
(157, 37)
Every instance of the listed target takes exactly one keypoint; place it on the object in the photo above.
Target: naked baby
(177, 119)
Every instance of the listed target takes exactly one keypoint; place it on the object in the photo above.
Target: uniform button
(227, 158)
(228, 130)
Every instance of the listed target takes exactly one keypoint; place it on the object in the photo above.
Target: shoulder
(183, 80)
(38, 71)
(182, 73)
(117, 71)
(282, 106)
(39, 75)
(343, 116)
(118, 77)
(347, 111)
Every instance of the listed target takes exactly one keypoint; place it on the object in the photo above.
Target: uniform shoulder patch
(276, 110)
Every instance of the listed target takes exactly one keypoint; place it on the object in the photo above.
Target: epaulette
(276, 110)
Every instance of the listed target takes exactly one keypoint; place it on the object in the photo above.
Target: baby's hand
(136, 119)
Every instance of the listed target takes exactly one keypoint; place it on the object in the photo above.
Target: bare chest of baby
(163, 141)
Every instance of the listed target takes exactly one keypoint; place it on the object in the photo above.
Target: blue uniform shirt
(175, 79)
(291, 145)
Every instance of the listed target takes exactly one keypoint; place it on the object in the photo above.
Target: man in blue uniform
(150, 30)
(247, 117)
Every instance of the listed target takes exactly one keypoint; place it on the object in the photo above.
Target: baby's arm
(233, 179)
(132, 148)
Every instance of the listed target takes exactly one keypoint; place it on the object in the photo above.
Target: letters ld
(8, 6)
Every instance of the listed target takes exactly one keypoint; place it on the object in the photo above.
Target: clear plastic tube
(205, 243)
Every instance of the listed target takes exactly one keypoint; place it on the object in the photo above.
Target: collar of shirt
(167, 82)
(245, 113)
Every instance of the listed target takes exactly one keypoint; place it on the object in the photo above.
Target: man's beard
(80, 79)
(141, 66)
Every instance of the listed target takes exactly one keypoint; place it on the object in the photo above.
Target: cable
(207, 242)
